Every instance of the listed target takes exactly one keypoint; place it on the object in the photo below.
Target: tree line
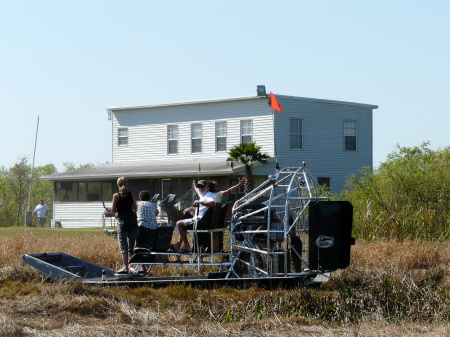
(15, 186)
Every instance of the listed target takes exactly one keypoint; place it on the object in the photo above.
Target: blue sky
(67, 61)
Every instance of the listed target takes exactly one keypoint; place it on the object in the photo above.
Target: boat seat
(208, 237)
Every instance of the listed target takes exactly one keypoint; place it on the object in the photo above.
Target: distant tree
(18, 179)
(70, 166)
(406, 197)
(15, 188)
(247, 154)
(6, 199)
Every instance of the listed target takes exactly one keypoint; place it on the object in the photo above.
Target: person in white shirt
(206, 200)
(219, 195)
(146, 217)
(41, 211)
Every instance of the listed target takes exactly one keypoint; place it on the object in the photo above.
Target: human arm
(240, 183)
(207, 200)
(194, 186)
(114, 202)
(210, 203)
(134, 202)
(34, 212)
(189, 209)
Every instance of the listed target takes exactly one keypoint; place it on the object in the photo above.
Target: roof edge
(217, 100)
(330, 101)
(131, 107)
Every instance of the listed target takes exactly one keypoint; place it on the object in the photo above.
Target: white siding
(81, 214)
(147, 128)
(323, 139)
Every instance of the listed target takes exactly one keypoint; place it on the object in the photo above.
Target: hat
(201, 183)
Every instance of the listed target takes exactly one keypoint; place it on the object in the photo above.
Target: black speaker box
(330, 235)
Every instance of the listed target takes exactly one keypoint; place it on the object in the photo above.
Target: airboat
(285, 232)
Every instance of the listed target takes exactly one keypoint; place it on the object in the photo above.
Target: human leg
(123, 246)
(125, 263)
(183, 243)
(180, 225)
(41, 221)
(132, 236)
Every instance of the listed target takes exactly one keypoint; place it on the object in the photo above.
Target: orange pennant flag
(274, 103)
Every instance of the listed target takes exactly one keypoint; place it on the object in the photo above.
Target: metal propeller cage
(270, 226)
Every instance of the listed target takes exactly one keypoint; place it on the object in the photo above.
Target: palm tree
(247, 154)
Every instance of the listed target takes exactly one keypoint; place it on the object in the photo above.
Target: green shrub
(406, 197)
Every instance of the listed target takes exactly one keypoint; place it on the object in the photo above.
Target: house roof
(154, 168)
(328, 101)
(184, 103)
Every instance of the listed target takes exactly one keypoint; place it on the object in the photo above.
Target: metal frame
(267, 248)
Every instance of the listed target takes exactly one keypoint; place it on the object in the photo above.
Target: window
(166, 188)
(93, 191)
(84, 191)
(296, 133)
(324, 182)
(107, 191)
(221, 136)
(196, 138)
(66, 191)
(122, 134)
(246, 131)
(350, 128)
(172, 139)
(89, 191)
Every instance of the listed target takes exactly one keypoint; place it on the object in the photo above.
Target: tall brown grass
(390, 289)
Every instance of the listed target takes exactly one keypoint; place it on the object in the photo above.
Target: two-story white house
(161, 147)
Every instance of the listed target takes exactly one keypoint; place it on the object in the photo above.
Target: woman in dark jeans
(124, 205)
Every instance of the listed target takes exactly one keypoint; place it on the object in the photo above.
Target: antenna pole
(28, 215)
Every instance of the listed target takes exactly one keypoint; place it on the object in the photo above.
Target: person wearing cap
(219, 195)
(205, 201)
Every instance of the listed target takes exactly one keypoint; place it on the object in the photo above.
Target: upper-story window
(196, 138)
(296, 133)
(172, 139)
(324, 181)
(246, 131)
(122, 136)
(350, 133)
(221, 136)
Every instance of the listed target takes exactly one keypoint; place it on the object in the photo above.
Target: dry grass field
(390, 289)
